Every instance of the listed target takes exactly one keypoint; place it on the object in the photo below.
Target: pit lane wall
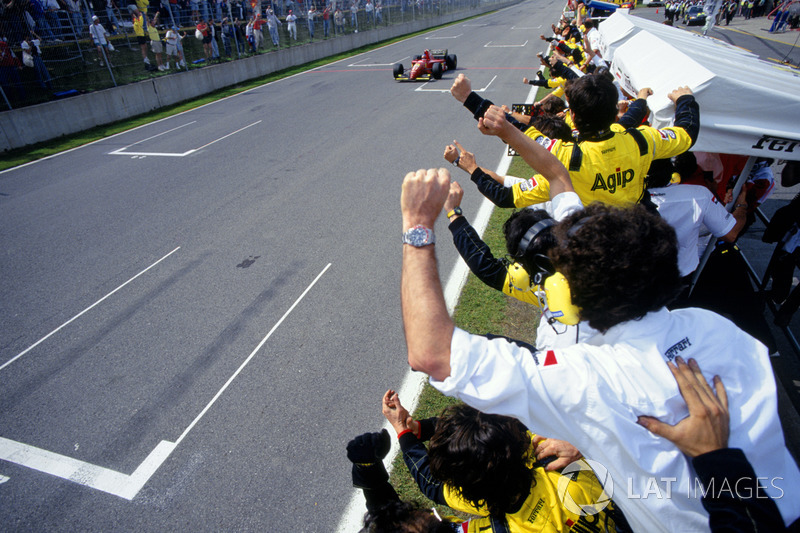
(44, 122)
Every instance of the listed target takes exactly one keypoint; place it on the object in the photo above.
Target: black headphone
(531, 235)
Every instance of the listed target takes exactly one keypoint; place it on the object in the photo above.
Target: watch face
(418, 236)
(458, 211)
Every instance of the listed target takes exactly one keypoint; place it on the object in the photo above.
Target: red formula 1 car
(430, 65)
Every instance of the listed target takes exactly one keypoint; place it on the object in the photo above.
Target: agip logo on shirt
(611, 182)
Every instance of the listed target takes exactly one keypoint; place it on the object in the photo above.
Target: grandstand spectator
(291, 24)
(203, 30)
(139, 31)
(113, 23)
(32, 45)
(226, 33)
(326, 21)
(338, 21)
(354, 15)
(215, 34)
(174, 48)
(100, 37)
(369, 11)
(378, 13)
(155, 42)
(272, 25)
(251, 39)
(621, 266)
(605, 165)
(258, 31)
(487, 465)
(312, 14)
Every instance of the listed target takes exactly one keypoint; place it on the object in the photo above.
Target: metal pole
(5, 98)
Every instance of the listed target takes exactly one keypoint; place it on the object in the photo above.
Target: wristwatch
(456, 160)
(419, 236)
(455, 211)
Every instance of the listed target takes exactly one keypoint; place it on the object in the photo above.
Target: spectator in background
(291, 24)
(100, 37)
(139, 31)
(272, 25)
(369, 9)
(155, 42)
(31, 46)
(112, 18)
(226, 32)
(174, 48)
(205, 37)
(354, 15)
(258, 32)
(338, 21)
(214, 33)
(312, 14)
(251, 39)
(379, 13)
(74, 10)
(326, 21)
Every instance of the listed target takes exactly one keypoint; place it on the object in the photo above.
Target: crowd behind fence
(49, 49)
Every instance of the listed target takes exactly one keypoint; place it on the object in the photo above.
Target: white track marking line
(110, 481)
(154, 136)
(409, 391)
(122, 151)
(422, 88)
(252, 354)
(359, 64)
(37, 343)
(3, 479)
(446, 37)
(490, 45)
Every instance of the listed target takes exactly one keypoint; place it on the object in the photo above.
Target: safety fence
(51, 49)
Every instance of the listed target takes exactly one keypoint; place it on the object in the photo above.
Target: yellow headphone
(551, 288)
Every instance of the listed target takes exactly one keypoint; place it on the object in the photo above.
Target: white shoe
(167, 67)
(161, 68)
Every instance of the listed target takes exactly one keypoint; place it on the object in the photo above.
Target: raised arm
(428, 328)
(538, 158)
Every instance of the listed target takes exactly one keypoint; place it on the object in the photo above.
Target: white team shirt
(687, 208)
(591, 395)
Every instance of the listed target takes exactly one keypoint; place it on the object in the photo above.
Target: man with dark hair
(591, 394)
(487, 465)
(604, 164)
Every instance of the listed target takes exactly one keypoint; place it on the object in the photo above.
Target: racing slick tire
(437, 71)
(451, 61)
(398, 70)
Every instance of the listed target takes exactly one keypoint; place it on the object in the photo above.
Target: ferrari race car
(430, 65)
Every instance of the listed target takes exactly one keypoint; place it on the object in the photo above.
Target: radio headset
(551, 287)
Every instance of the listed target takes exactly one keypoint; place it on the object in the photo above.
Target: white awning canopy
(747, 106)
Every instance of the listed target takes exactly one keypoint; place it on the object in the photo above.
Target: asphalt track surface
(198, 314)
